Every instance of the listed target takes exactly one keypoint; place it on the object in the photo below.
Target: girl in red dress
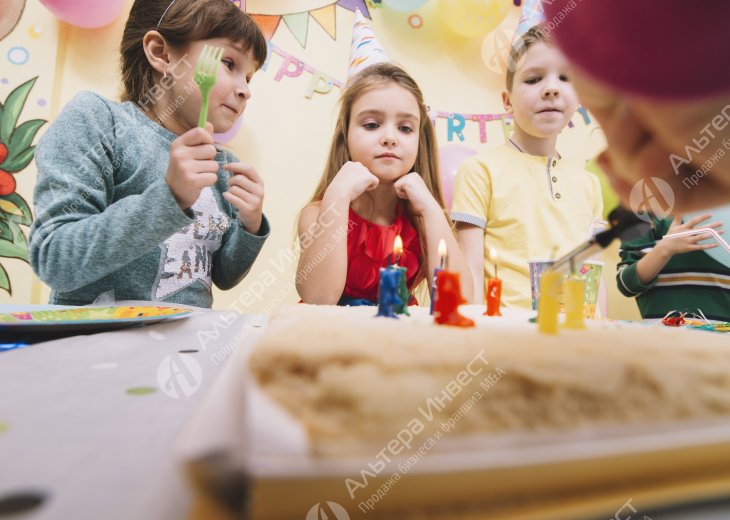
(381, 180)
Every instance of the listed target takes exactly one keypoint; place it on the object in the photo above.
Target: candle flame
(493, 256)
(442, 248)
(398, 245)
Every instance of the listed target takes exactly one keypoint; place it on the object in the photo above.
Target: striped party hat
(532, 14)
(365, 49)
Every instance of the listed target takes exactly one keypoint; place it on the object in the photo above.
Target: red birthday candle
(494, 289)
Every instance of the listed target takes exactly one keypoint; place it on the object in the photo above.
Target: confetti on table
(142, 390)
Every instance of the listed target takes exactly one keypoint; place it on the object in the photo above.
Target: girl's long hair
(427, 160)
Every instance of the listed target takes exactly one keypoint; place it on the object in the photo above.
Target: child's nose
(390, 135)
(551, 92)
(389, 138)
(243, 92)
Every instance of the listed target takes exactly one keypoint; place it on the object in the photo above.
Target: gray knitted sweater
(107, 220)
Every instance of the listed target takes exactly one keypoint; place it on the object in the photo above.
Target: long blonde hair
(427, 160)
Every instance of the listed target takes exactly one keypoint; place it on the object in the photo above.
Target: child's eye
(371, 126)
(406, 129)
(228, 63)
(564, 78)
(532, 81)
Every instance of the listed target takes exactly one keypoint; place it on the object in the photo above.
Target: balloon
(85, 13)
(722, 214)
(226, 137)
(450, 158)
(405, 5)
(473, 17)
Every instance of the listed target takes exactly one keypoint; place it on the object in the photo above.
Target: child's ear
(155, 48)
(507, 101)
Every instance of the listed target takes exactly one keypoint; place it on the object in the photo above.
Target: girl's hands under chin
(353, 180)
(411, 187)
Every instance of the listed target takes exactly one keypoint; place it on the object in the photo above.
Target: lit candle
(547, 305)
(448, 297)
(388, 293)
(442, 256)
(494, 289)
(403, 295)
(397, 249)
(573, 297)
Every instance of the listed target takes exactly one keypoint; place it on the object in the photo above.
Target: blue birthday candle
(388, 294)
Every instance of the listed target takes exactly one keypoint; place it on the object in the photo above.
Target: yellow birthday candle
(547, 305)
(573, 296)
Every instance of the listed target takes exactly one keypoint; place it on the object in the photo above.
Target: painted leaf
(5, 233)
(19, 211)
(22, 137)
(20, 161)
(18, 248)
(4, 280)
(12, 108)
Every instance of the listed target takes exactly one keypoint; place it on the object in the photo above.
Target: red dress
(368, 248)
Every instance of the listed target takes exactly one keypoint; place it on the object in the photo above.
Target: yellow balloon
(473, 17)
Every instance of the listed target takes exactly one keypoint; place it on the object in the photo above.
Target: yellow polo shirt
(530, 207)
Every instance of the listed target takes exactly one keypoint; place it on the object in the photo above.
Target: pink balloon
(450, 158)
(85, 13)
(226, 137)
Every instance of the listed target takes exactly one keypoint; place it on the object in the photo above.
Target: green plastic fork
(206, 72)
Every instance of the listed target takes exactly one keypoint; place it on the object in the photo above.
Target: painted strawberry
(7, 181)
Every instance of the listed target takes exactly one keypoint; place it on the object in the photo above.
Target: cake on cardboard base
(357, 382)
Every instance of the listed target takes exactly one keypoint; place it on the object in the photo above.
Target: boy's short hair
(535, 34)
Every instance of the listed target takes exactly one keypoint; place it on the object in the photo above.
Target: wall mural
(16, 153)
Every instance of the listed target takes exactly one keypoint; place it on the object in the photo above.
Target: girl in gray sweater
(131, 196)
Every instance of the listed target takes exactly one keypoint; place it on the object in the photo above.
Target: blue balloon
(405, 5)
(721, 214)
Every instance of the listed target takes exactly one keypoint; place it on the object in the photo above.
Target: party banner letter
(284, 69)
(456, 129)
(315, 86)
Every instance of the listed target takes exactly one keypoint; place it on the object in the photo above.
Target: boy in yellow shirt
(522, 198)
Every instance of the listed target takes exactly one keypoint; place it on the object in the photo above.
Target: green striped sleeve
(631, 252)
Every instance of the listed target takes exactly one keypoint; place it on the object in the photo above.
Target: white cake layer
(355, 382)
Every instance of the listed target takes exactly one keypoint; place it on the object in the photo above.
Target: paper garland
(269, 17)
(322, 83)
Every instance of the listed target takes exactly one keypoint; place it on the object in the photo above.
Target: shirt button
(555, 162)
(555, 179)
(557, 195)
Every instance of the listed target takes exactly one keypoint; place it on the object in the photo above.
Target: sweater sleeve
(239, 248)
(80, 235)
(237, 254)
(631, 252)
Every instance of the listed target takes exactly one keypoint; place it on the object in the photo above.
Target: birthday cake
(355, 381)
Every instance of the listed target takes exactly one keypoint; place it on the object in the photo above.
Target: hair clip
(163, 14)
